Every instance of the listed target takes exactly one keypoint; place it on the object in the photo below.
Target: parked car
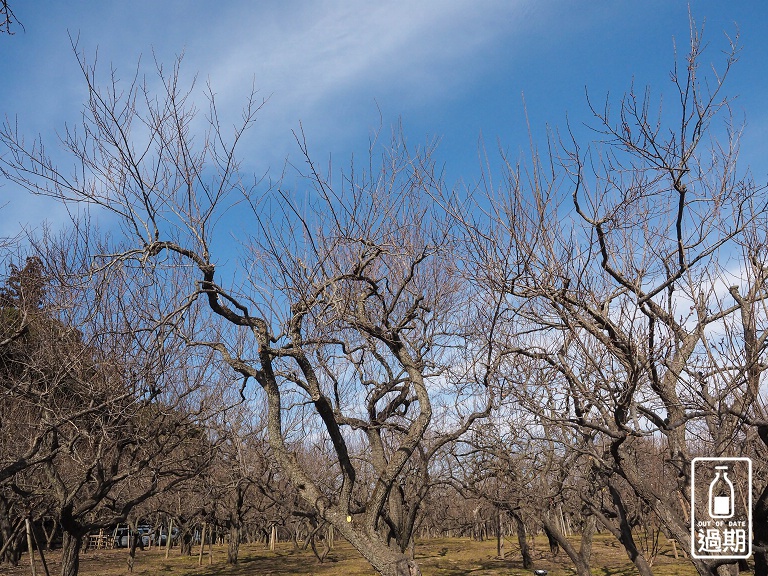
(146, 534)
(161, 536)
(122, 535)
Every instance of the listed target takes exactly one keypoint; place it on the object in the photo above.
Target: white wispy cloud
(325, 64)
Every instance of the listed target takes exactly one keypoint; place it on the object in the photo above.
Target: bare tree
(617, 259)
(244, 485)
(111, 411)
(346, 309)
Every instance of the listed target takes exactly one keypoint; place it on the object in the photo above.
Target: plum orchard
(603, 309)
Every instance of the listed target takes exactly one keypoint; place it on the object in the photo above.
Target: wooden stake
(168, 539)
(202, 545)
(562, 521)
(29, 546)
(210, 548)
(40, 551)
(499, 536)
(8, 542)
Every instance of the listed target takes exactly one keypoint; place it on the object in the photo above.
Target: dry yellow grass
(437, 557)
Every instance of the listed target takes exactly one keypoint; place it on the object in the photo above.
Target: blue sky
(452, 70)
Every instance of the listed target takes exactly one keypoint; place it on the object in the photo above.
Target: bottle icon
(721, 495)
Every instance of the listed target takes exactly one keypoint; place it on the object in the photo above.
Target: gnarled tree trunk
(522, 540)
(70, 553)
(234, 543)
(581, 557)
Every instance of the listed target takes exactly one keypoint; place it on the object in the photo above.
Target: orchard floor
(437, 557)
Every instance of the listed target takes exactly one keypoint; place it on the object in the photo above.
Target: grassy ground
(437, 557)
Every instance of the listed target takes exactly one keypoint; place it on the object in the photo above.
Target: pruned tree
(245, 487)
(110, 409)
(346, 308)
(617, 259)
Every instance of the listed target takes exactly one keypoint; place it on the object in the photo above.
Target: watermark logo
(721, 508)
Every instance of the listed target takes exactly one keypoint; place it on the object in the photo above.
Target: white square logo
(721, 508)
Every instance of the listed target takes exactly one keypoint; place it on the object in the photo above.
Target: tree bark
(522, 540)
(585, 549)
(186, 543)
(623, 531)
(70, 554)
(234, 543)
(760, 521)
(385, 560)
(134, 540)
(580, 558)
